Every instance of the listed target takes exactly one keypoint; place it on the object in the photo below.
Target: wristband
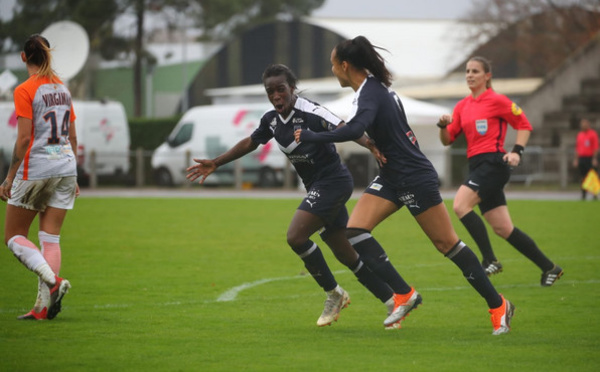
(441, 126)
(518, 149)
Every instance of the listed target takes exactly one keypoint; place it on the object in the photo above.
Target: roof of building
(418, 49)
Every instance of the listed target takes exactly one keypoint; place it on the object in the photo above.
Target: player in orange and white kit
(42, 178)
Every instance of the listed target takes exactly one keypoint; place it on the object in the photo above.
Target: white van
(208, 131)
(102, 127)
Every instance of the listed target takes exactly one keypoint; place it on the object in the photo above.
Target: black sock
(315, 263)
(475, 226)
(466, 260)
(377, 260)
(371, 281)
(524, 244)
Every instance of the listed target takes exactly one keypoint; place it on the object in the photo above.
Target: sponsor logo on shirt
(481, 126)
(375, 186)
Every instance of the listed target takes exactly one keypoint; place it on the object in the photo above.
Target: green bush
(149, 133)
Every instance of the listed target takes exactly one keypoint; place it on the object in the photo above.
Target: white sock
(30, 256)
(50, 247)
(43, 296)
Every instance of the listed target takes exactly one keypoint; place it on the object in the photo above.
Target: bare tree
(527, 38)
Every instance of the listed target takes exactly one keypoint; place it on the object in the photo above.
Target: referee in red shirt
(586, 151)
(483, 117)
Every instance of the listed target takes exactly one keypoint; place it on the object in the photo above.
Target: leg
(369, 211)
(499, 219)
(50, 220)
(436, 224)
(303, 225)
(337, 241)
(18, 221)
(367, 214)
(466, 199)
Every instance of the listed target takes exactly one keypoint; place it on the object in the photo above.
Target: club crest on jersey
(516, 110)
(411, 136)
(481, 126)
(273, 122)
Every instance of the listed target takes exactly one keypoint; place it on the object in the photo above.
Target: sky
(412, 9)
(406, 9)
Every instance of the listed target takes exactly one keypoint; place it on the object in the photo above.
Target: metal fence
(539, 166)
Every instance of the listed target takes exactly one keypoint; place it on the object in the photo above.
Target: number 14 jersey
(49, 106)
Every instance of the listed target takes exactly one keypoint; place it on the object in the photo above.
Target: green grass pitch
(210, 285)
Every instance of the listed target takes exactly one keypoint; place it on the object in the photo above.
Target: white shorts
(37, 195)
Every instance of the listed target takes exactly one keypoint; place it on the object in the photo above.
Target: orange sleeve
(72, 117)
(23, 98)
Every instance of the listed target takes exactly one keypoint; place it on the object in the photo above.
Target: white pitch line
(232, 293)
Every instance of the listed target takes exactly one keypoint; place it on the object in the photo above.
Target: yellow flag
(591, 182)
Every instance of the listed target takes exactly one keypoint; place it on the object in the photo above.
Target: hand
(77, 190)
(297, 135)
(202, 169)
(512, 158)
(5, 189)
(381, 159)
(445, 120)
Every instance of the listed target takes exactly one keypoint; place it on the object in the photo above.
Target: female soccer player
(483, 117)
(42, 178)
(328, 183)
(406, 179)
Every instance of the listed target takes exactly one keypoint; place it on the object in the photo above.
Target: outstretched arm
(205, 166)
(341, 134)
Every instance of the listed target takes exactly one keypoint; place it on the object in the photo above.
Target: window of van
(182, 136)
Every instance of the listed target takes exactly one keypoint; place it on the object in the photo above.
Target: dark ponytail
(360, 53)
(38, 53)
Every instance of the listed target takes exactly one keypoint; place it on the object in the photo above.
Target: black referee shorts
(488, 174)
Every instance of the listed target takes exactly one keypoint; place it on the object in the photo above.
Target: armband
(518, 149)
(441, 126)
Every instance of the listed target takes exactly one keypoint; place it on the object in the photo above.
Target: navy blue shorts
(327, 199)
(418, 197)
(488, 174)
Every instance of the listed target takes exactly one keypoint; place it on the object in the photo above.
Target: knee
(461, 209)
(354, 232)
(503, 231)
(443, 245)
(295, 241)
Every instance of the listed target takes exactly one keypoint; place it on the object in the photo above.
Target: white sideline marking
(231, 294)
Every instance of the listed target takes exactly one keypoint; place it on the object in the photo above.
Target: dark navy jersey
(312, 161)
(379, 112)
